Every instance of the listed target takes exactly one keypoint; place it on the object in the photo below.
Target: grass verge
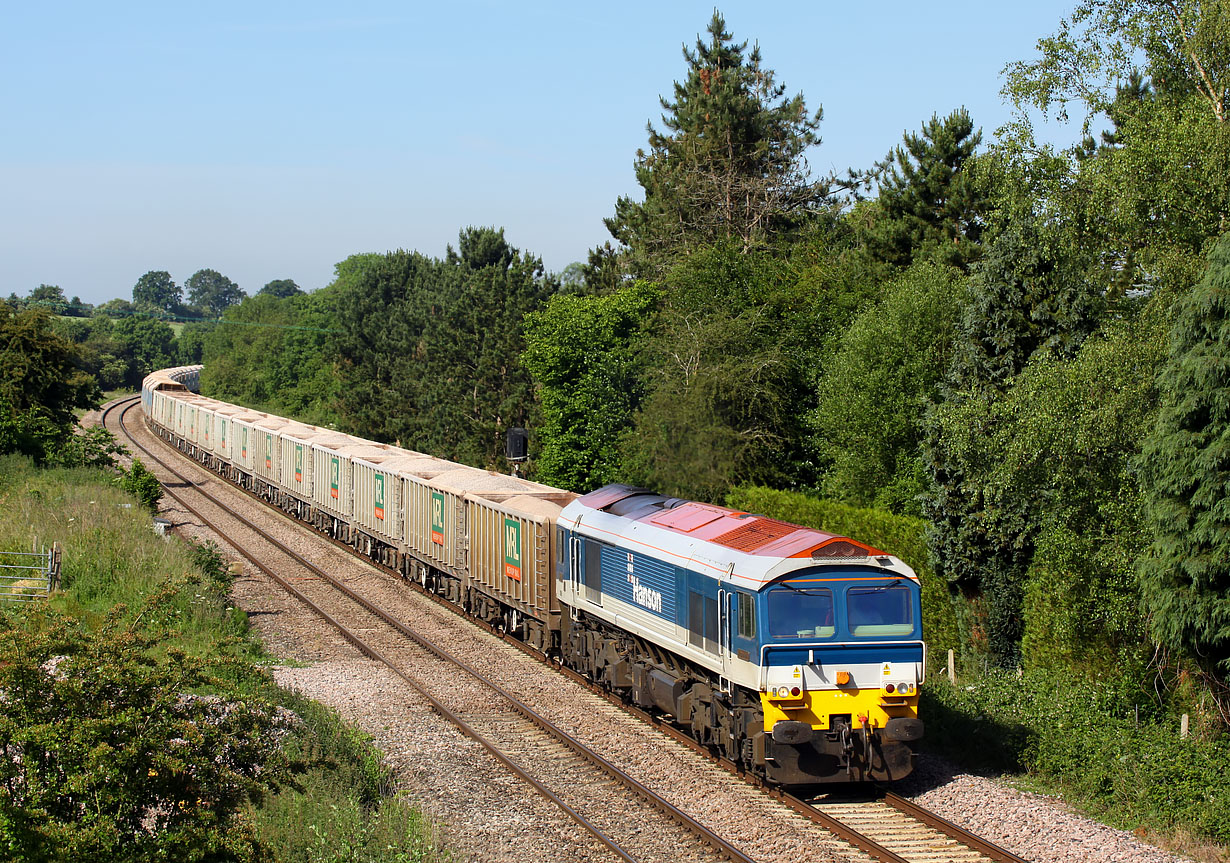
(123, 585)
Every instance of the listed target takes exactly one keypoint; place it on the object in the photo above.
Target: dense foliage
(582, 354)
(41, 383)
(429, 350)
(878, 380)
(271, 353)
(1186, 468)
(1104, 747)
(108, 755)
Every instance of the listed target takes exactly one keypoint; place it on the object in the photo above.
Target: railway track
(885, 827)
(579, 781)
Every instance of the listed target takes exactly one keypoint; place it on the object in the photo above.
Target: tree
(1186, 44)
(929, 203)
(280, 288)
(78, 309)
(157, 290)
(212, 292)
(272, 353)
(429, 350)
(1029, 296)
(1031, 292)
(1185, 470)
(39, 370)
(190, 343)
(1155, 197)
(730, 164)
(115, 308)
(582, 353)
(148, 343)
(49, 297)
(726, 384)
(878, 381)
(1068, 435)
(572, 278)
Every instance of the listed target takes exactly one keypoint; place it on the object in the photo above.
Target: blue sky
(272, 140)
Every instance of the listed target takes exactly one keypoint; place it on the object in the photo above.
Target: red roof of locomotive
(740, 531)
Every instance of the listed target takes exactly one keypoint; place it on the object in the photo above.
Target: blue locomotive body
(797, 653)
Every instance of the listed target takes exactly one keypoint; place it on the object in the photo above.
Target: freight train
(794, 653)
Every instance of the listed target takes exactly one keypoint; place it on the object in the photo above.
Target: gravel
(1033, 826)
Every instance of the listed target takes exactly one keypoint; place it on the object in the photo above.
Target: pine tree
(729, 165)
(1185, 471)
(929, 205)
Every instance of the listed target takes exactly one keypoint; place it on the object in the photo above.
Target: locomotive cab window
(801, 612)
(747, 616)
(880, 611)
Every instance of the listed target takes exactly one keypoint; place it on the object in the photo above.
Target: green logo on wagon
(512, 549)
(437, 518)
(335, 476)
(378, 493)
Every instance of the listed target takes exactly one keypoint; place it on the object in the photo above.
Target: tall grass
(113, 562)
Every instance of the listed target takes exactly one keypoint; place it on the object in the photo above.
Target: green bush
(116, 759)
(901, 536)
(1114, 750)
(139, 482)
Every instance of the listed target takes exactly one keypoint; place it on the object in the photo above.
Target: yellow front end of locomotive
(849, 704)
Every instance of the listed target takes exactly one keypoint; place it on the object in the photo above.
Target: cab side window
(746, 615)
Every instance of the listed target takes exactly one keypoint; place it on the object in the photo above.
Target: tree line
(1020, 345)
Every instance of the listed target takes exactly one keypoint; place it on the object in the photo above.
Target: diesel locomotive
(796, 654)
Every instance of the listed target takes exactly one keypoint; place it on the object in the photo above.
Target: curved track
(886, 828)
(515, 735)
